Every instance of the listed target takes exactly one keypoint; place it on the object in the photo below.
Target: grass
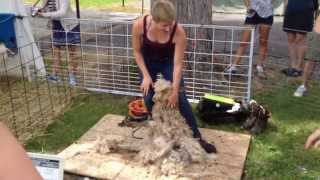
(85, 111)
(276, 154)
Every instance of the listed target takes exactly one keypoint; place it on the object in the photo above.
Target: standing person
(64, 33)
(298, 21)
(312, 56)
(159, 43)
(15, 163)
(259, 14)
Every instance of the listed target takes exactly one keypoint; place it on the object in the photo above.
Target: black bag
(215, 112)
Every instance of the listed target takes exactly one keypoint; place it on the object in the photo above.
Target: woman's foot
(209, 148)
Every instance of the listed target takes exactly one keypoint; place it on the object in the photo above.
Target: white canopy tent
(28, 51)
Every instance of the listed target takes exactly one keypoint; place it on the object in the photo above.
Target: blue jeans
(165, 67)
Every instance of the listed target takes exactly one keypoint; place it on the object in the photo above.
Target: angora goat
(170, 142)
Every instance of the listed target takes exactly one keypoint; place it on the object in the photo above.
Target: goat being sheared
(171, 145)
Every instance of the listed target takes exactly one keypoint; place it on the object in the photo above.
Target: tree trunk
(193, 11)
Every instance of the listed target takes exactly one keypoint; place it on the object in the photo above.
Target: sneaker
(260, 71)
(72, 80)
(292, 72)
(287, 71)
(54, 78)
(297, 73)
(301, 91)
(231, 70)
(209, 148)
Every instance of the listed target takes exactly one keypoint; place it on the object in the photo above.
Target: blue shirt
(300, 5)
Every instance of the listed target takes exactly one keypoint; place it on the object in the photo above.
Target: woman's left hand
(173, 100)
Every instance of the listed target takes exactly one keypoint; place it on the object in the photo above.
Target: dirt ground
(29, 107)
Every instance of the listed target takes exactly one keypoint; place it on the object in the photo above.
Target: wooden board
(227, 164)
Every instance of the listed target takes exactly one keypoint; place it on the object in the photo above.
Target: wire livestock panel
(28, 103)
(106, 62)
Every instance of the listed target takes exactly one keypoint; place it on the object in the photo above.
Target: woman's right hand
(145, 85)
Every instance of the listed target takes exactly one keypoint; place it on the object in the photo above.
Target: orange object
(138, 108)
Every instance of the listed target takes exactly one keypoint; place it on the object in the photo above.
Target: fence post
(78, 9)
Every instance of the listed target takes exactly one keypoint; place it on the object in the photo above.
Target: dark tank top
(154, 50)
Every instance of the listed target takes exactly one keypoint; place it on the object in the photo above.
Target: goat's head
(163, 89)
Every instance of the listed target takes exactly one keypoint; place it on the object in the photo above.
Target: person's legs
(72, 65)
(252, 20)
(72, 40)
(166, 69)
(184, 106)
(56, 60)
(58, 38)
(292, 48)
(186, 111)
(296, 47)
(301, 43)
(244, 42)
(264, 31)
(153, 71)
(307, 72)
(148, 100)
(56, 54)
(245, 38)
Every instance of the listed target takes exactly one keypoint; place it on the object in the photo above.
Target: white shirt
(61, 10)
(264, 8)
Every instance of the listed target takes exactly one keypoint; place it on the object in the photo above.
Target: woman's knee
(291, 38)
(301, 39)
(148, 101)
(263, 42)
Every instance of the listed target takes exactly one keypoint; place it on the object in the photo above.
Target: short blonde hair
(163, 11)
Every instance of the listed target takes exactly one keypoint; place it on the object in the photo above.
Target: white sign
(50, 167)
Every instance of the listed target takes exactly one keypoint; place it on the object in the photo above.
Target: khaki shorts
(313, 51)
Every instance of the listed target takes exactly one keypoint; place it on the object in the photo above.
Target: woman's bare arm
(181, 42)
(15, 163)
(137, 31)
